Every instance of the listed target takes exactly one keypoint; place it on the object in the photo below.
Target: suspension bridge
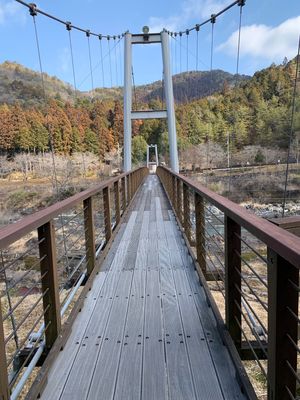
(151, 285)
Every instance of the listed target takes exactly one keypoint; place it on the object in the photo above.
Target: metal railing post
(186, 212)
(233, 280)
(282, 327)
(4, 386)
(200, 232)
(50, 287)
(107, 216)
(89, 230)
(117, 201)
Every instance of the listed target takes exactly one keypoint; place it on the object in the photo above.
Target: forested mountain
(253, 111)
(18, 83)
(23, 85)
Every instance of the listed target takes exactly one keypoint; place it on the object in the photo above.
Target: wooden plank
(113, 249)
(154, 380)
(180, 379)
(142, 252)
(152, 257)
(105, 371)
(205, 379)
(224, 367)
(129, 379)
(84, 363)
(131, 255)
(223, 364)
(78, 382)
(60, 370)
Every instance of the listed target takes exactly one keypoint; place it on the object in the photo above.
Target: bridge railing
(46, 261)
(252, 267)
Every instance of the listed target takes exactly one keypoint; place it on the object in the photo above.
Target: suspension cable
(90, 59)
(120, 60)
(236, 2)
(230, 142)
(241, 5)
(197, 45)
(101, 60)
(116, 62)
(291, 129)
(33, 13)
(94, 68)
(39, 11)
(68, 27)
(180, 36)
(187, 50)
(213, 21)
(109, 56)
(75, 90)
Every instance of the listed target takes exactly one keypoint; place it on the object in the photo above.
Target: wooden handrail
(284, 243)
(13, 232)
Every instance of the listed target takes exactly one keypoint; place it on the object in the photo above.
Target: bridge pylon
(168, 113)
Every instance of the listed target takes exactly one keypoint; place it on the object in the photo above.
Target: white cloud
(190, 9)
(12, 10)
(266, 42)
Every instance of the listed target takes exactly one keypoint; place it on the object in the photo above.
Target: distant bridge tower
(169, 113)
(150, 164)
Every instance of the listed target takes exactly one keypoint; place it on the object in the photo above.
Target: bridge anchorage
(148, 286)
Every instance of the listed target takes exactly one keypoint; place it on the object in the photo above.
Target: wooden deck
(145, 331)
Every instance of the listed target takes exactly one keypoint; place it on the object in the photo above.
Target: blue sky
(270, 32)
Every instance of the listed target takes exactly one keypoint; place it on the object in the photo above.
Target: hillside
(21, 84)
(256, 112)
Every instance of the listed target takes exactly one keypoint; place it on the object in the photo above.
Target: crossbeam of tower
(168, 113)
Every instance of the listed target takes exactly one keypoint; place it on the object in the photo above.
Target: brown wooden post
(174, 196)
(200, 231)
(134, 183)
(89, 229)
(131, 186)
(128, 189)
(282, 302)
(4, 386)
(233, 280)
(186, 212)
(117, 201)
(124, 192)
(179, 200)
(107, 216)
(48, 265)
